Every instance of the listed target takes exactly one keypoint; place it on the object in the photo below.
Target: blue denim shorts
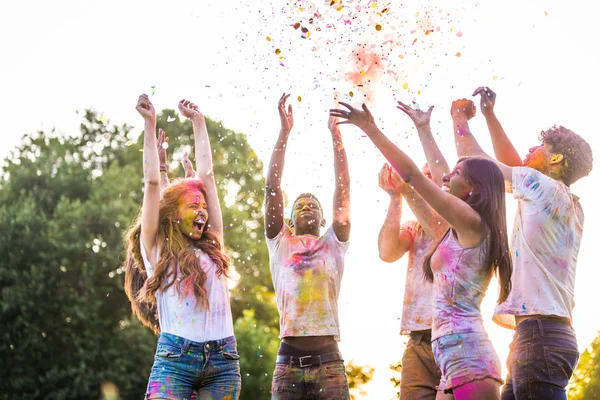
(465, 358)
(183, 368)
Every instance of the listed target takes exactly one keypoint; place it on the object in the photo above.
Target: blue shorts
(464, 358)
(183, 367)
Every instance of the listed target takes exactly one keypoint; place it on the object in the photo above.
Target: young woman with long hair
(178, 241)
(461, 264)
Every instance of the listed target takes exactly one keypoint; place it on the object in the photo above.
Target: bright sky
(539, 56)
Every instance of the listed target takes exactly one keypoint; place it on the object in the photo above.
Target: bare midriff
(308, 342)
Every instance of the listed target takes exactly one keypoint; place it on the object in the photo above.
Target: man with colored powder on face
(307, 271)
(545, 243)
(420, 373)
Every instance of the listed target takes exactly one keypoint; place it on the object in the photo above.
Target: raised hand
(162, 150)
(145, 108)
(188, 168)
(189, 110)
(287, 118)
(463, 107)
(419, 117)
(487, 99)
(390, 181)
(362, 119)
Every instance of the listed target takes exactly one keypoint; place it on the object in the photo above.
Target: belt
(309, 361)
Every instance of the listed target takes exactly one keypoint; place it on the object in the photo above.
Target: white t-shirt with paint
(180, 316)
(417, 309)
(545, 244)
(307, 274)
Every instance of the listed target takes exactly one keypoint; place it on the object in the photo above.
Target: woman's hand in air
(419, 117)
(189, 110)
(360, 118)
(145, 108)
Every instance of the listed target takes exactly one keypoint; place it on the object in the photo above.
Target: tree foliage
(358, 375)
(585, 383)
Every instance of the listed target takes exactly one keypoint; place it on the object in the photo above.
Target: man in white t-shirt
(307, 271)
(420, 374)
(544, 244)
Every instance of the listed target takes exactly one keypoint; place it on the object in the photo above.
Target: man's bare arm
(503, 148)
(273, 194)
(341, 194)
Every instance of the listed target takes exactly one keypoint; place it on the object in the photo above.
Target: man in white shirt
(307, 271)
(545, 244)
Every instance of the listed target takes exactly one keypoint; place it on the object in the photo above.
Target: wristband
(163, 168)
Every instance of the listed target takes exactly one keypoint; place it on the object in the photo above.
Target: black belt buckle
(309, 363)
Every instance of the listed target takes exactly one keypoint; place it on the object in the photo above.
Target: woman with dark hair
(471, 201)
(178, 240)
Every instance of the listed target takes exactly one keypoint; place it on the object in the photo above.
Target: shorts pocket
(451, 347)
(230, 356)
(560, 363)
(230, 353)
(334, 368)
(167, 351)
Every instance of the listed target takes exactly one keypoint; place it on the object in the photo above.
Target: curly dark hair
(576, 151)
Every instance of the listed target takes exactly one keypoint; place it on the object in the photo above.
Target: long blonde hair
(176, 251)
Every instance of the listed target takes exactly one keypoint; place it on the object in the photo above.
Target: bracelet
(163, 168)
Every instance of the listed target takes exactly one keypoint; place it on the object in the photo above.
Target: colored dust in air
(366, 67)
(359, 46)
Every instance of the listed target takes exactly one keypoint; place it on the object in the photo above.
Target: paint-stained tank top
(460, 280)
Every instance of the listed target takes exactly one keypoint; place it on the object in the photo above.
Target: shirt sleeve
(274, 243)
(531, 185)
(331, 236)
(147, 265)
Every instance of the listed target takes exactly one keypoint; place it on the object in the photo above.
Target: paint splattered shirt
(545, 244)
(307, 274)
(416, 310)
(179, 315)
(460, 281)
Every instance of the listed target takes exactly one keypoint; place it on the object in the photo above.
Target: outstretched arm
(150, 205)
(503, 148)
(188, 168)
(204, 166)
(341, 195)
(455, 211)
(435, 159)
(466, 145)
(273, 194)
(392, 242)
(161, 147)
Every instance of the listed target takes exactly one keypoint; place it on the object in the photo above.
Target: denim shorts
(183, 368)
(465, 358)
(543, 355)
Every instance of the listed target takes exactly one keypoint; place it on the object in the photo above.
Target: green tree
(358, 376)
(396, 379)
(585, 382)
(259, 343)
(64, 204)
